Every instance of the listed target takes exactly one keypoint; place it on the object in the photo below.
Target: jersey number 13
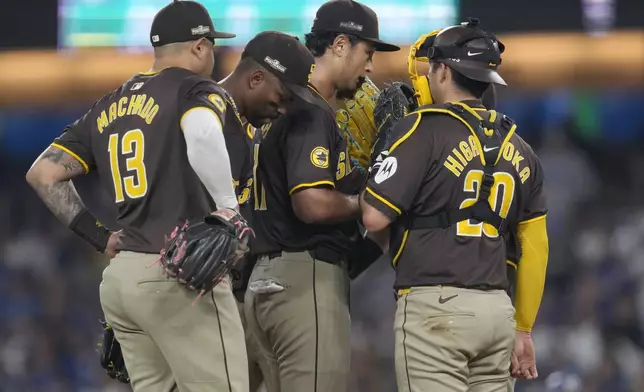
(135, 183)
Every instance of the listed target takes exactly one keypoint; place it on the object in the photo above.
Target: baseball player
(297, 304)
(272, 73)
(453, 181)
(158, 147)
(291, 63)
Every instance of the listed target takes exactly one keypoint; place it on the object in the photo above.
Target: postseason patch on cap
(200, 30)
(351, 26)
(275, 64)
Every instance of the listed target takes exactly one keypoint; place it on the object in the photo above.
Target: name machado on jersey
(132, 137)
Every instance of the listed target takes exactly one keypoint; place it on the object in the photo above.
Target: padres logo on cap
(320, 157)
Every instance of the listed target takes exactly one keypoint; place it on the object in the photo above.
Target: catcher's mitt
(201, 254)
(394, 103)
(356, 120)
(111, 356)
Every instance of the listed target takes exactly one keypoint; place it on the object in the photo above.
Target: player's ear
(256, 78)
(200, 48)
(445, 73)
(341, 45)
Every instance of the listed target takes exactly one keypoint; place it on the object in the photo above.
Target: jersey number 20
(135, 185)
(501, 197)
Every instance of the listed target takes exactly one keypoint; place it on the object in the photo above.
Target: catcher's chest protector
(490, 135)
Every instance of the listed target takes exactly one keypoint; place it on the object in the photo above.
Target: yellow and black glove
(394, 103)
(356, 121)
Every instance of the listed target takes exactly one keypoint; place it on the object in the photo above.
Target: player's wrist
(523, 332)
(354, 202)
(231, 208)
(88, 228)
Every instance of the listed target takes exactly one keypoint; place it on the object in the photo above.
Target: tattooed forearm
(50, 175)
(61, 199)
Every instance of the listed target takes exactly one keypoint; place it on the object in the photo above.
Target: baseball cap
(285, 57)
(182, 21)
(351, 17)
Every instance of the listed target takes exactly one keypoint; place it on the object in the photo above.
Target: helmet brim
(474, 70)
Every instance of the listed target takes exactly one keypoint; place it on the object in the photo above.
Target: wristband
(88, 228)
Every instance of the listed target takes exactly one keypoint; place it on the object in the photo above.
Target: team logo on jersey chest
(320, 157)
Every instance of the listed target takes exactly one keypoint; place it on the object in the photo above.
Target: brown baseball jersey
(132, 137)
(435, 165)
(299, 151)
(239, 139)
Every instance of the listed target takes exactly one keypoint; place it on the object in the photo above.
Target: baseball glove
(201, 254)
(394, 103)
(111, 356)
(356, 120)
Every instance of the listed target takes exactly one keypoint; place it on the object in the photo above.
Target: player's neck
(457, 96)
(322, 80)
(159, 64)
(231, 85)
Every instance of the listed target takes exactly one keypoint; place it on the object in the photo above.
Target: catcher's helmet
(467, 49)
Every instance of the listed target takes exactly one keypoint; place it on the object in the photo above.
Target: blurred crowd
(588, 336)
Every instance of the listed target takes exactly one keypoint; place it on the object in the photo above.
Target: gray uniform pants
(453, 340)
(300, 323)
(167, 344)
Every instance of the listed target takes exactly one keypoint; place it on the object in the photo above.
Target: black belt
(321, 253)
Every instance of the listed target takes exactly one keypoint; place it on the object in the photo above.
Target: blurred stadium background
(576, 75)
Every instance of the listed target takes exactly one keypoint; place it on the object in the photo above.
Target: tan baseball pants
(299, 321)
(453, 340)
(169, 345)
(255, 377)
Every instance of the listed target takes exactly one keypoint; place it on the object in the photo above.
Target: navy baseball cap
(286, 57)
(351, 17)
(182, 21)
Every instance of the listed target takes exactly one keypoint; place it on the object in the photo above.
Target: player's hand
(524, 365)
(110, 249)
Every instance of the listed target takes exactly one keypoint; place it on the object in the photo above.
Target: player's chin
(350, 90)
(346, 93)
(258, 122)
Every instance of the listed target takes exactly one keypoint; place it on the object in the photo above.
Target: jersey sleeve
(238, 151)
(76, 141)
(308, 149)
(202, 93)
(535, 206)
(394, 187)
(238, 156)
